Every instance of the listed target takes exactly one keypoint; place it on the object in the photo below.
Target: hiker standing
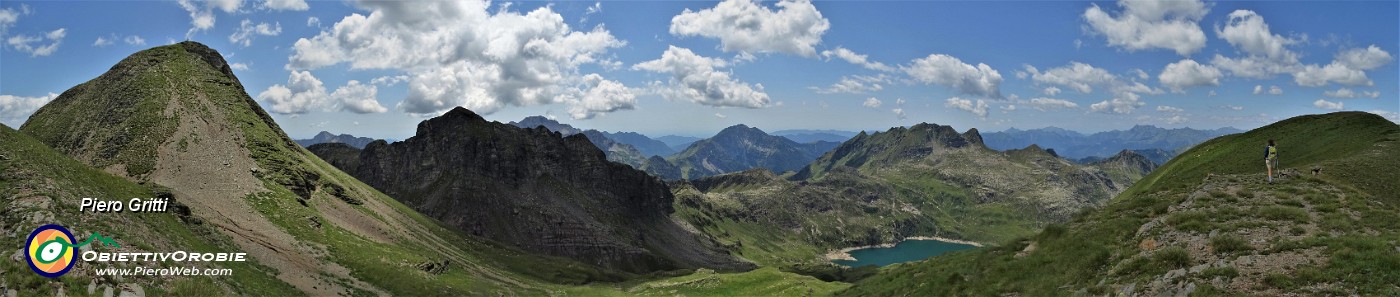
(1270, 159)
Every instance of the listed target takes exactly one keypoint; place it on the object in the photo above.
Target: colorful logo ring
(50, 250)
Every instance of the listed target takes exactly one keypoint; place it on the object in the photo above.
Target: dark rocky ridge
(534, 189)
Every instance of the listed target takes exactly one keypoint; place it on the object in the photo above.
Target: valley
(468, 206)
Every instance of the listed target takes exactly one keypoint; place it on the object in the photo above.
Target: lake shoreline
(845, 253)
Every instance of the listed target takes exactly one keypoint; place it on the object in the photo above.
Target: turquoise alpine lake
(906, 251)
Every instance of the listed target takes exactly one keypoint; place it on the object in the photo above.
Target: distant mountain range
(1076, 146)
(327, 137)
(678, 143)
(809, 136)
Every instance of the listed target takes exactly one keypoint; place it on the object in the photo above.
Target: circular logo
(50, 250)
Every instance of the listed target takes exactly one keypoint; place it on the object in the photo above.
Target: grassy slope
(1353, 204)
(42, 186)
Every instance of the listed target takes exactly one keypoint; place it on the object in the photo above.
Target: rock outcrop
(534, 189)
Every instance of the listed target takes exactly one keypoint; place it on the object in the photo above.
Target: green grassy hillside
(1206, 223)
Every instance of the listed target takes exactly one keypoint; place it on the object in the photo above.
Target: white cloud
(899, 101)
(598, 96)
(389, 81)
(1349, 93)
(1169, 109)
(303, 93)
(1187, 73)
(1265, 54)
(1139, 73)
(202, 16)
(1051, 91)
(1077, 76)
(978, 108)
(1084, 78)
(313, 22)
(858, 59)
(1364, 59)
(102, 42)
(1272, 90)
(1176, 119)
(456, 53)
(1247, 31)
(8, 18)
(980, 80)
(1151, 24)
(134, 40)
(247, 31)
(1123, 103)
(855, 84)
(1234, 107)
(238, 66)
(1324, 104)
(745, 26)
(295, 5)
(695, 78)
(720, 115)
(1317, 76)
(1212, 93)
(872, 103)
(358, 98)
(1047, 104)
(15, 109)
(33, 45)
(899, 113)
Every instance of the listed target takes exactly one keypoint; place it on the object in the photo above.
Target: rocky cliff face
(534, 189)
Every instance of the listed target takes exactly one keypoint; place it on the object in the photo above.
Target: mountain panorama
(732, 148)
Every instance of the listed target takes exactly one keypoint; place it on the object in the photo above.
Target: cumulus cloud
(1151, 24)
(1169, 109)
(945, 70)
(1272, 90)
(696, 78)
(858, 59)
(9, 17)
(303, 93)
(389, 81)
(899, 113)
(35, 46)
(597, 95)
(872, 103)
(1085, 78)
(855, 84)
(795, 27)
(1051, 91)
(313, 22)
(1123, 103)
(247, 31)
(1265, 54)
(720, 115)
(15, 109)
(202, 12)
(358, 98)
(1324, 104)
(1187, 73)
(456, 53)
(103, 41)
(1349, 93)
(1047, 104)
(134, 40)
(978, 108)
(1368, 58)
(238, 66)
(294, 5)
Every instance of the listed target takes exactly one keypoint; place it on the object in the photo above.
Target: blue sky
(693, 68)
